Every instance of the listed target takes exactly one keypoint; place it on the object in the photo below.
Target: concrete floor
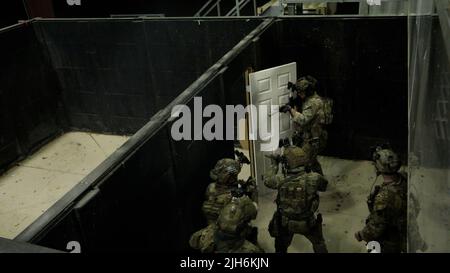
(432, 188)
(343, 207)
(32, 186)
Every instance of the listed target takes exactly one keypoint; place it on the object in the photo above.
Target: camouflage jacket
(229, 234)
(241, 246)
(218, 196)
(208, 240)
(388, 213)
(203, 239)
(297, 196)
(308, 121)
(233, 227)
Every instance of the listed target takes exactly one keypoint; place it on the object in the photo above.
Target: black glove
(285, 108)
(241, 157)
(292, 86)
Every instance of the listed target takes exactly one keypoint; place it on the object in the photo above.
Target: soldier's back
(391, 202)
(392, 197)
(298, 197)
(315, 103)
(217, 197)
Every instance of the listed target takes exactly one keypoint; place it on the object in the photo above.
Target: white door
(269, 87)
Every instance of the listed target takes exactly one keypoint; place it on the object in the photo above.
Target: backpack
(293, 197)
(327, 117)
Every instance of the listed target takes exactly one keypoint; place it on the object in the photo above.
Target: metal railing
(212, 5)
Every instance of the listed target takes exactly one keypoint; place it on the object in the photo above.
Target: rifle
(294, 100)
(238, 191)
(279, 159)
(276, 158)
(241, 157)
(245, 188)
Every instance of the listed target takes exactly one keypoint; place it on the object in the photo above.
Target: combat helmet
(225, 168)
(235, 216)
(386, 161)
(295, 157)
(307, 84)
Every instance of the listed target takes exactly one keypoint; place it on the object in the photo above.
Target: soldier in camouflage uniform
(309, 121)
(387, 204)
(203, 239)
(218, 193)
(229, 233)
(297, 200)
(233, 227)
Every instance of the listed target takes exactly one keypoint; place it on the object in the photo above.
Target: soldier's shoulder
(317, 181)
(316, 99)
(384, 197)
(300, 179)
(211, 188)
(245, 201)
(296, 178)
(313, 176)
(398, 187)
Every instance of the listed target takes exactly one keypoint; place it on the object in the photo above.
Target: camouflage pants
(203, 239)
(234, 244)
(283, 230)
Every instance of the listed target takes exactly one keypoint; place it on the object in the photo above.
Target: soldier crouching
(229, 234)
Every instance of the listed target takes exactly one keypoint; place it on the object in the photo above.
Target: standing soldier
(387, 204)
(297, 200)
(309, 118)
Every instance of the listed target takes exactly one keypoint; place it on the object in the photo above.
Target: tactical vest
(391, 199)
(297, 198)
(326, 117)
(218, 196)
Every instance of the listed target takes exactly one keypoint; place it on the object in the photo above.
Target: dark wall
(151, 201)
(347, 8)
(30, 112)
(361, 63)
(117, 74)
(11, 12)
(154, 195)
(234, 76)
(153, 191)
